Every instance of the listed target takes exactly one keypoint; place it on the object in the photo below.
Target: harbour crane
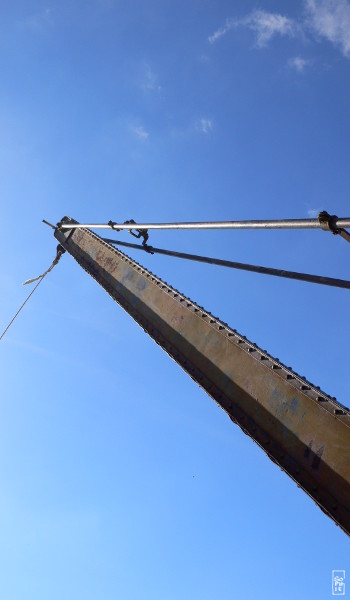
(300, 428)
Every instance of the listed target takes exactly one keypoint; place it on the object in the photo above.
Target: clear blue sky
(119, 477)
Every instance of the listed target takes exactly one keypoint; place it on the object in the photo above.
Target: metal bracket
(140, 233)
(328, 223)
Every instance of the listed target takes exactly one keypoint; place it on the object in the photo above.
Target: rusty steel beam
(303, 430)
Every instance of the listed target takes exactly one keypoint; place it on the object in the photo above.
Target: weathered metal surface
(303, 430)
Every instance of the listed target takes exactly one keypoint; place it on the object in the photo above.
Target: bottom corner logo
(338, 583)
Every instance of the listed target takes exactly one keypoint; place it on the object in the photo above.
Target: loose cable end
(31, 280)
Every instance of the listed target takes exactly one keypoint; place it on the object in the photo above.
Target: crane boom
(303, 430)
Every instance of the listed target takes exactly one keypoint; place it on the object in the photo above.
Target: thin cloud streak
(265, 25)
(328, 19)
(230, 24)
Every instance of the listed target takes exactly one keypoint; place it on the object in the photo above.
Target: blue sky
(120, 478)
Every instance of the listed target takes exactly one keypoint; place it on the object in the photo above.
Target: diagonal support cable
(318, 279)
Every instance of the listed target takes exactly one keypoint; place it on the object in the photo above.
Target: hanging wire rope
(330, 281)
(60, 251)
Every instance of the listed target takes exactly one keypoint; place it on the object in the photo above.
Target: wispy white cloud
(230, 24)
(140, 132)
(331, 19)
(266, 25)
(196, 126)
(37, 22)
(149, 81)
(298, 63)
(204, 125)
(328, 19)
(313, 212)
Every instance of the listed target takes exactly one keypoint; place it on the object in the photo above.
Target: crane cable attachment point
(59, 252)
(329, 223)
(39, 279)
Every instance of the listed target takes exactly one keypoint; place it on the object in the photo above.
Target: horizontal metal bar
(341, 283)
(277, 224)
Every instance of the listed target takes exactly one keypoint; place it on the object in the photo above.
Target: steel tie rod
(331, 281)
